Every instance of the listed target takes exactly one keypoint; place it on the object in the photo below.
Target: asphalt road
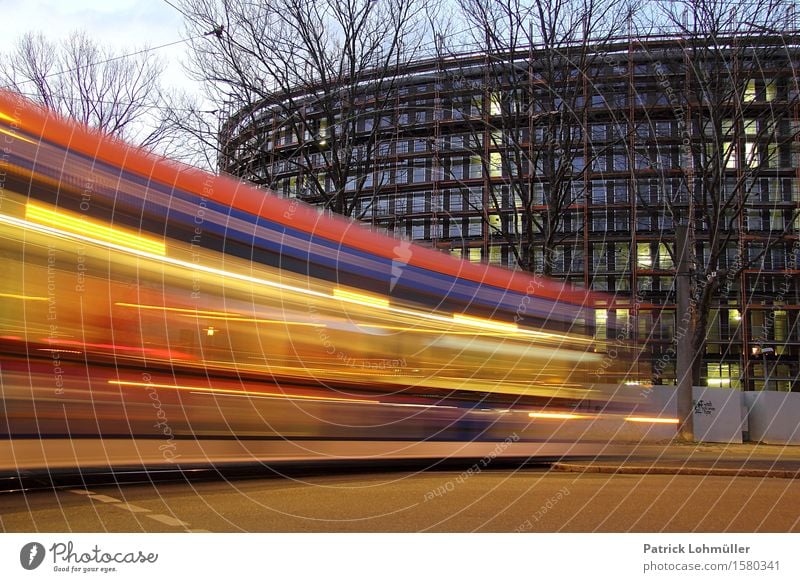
(507, 500)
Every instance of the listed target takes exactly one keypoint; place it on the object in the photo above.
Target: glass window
(644, 259)
(495, 165)
(664, 257)
(418, 202)
(621, 256)
(724, 375)
(456, 201)
(475, 167)
(495, 224)
(475, 227)
(598, 193)
(600, 324)
(420, 173)
(418, 229)
(457, 168)
(620, 192)
(599, 257)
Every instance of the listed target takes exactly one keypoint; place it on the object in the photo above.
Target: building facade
(580, 171)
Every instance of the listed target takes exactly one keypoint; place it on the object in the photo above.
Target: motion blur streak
(237, 392)
(79, 225)
(150, 312)
(646, 419)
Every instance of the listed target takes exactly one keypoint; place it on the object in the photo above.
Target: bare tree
(737, 120)
(117, 94)
(538, 58)
(320, 75)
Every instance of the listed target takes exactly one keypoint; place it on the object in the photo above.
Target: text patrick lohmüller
(693, 549)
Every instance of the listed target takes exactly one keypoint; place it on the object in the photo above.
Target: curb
(662, 470)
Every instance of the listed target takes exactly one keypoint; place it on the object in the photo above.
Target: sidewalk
(730, 460)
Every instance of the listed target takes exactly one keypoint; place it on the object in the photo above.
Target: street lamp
(764, 351)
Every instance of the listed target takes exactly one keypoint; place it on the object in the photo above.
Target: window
(600, 324)
(496, 255)
(495, 224)
(598, 193)
(475, 198)
(418, 202)
(495, 165)
(381, 206)
(599, 257)
(598, 132)
(495, 103)
(621, 256)
(401, 205)
(475, 226)
(456, 200)
(598, 223)
(644, 259)
(664, 257)
(622, 219)
(724, 375)
(418, 229)
(420, 173)
(457, 168)
(750, 91)
(620, 192)
(456, 230)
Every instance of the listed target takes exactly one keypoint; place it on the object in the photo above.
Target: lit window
(495, 225)
(600, 323)
(750, 91)
(494, 104)
(644, 260)
(495, 165)
(772, 90)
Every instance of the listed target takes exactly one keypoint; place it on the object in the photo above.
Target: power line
(185, 15)
(109, 60)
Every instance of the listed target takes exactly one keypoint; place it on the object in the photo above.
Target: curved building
(576, 163)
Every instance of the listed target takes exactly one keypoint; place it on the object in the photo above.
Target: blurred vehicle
(151, 313)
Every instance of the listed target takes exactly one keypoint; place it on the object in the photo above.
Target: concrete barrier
(773, 417)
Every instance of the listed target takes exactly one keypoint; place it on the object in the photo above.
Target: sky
(122, 24)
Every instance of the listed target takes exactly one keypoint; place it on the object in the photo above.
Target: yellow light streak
(15, 135)
(7, 117)
(351, 297)
(360, 298)
(23, 297)
(237, 319)
(59, 350)
(485, 323)
(83, 226)
(176, 309)
(237, 392)
(555, 415)
(652, 420)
